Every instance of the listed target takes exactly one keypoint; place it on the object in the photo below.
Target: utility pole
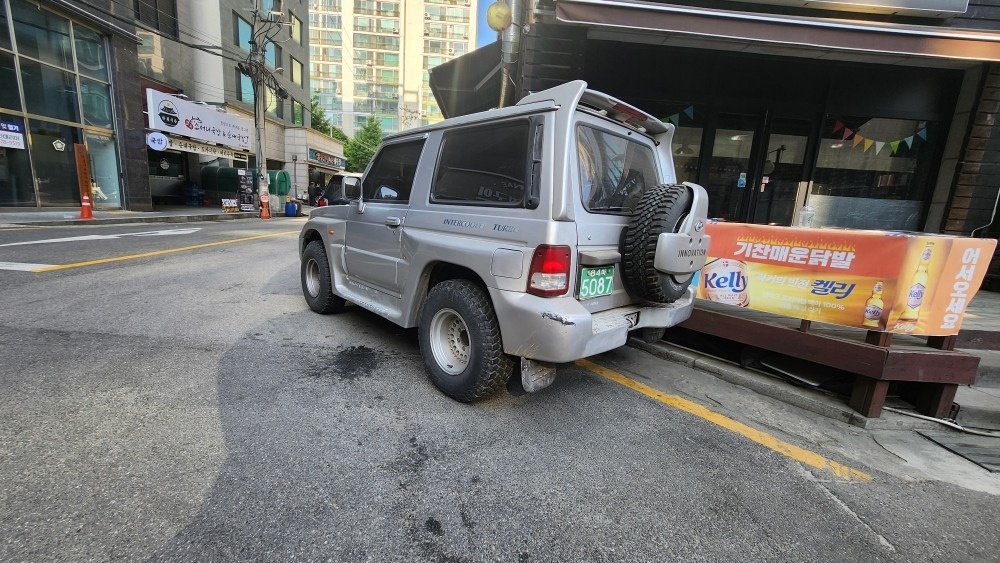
(264, 27)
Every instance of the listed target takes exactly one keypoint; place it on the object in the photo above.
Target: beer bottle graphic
(874, 306)
(918, 287)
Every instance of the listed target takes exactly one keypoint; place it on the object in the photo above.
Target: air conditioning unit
(369, 63)
(340, 92)
(427, 15)
(395, 30)
(465, 36)
(451, 51)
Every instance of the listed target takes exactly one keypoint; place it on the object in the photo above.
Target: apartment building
(371, 58)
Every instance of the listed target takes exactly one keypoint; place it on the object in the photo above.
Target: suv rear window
(483, 165)
(614, 170)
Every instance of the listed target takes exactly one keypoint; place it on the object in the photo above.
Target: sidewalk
(979, 404)
(51, 217)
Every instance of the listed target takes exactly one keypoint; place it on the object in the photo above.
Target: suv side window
(390, 179)
(484, 165)
(614, 170)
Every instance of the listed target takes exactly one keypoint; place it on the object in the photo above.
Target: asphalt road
(170, 397)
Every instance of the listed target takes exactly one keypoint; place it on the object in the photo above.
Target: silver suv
(522, 237)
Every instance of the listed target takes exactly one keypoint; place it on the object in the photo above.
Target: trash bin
(291, 210)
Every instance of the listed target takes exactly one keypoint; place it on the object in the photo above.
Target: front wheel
(317, 284)
(460, 342)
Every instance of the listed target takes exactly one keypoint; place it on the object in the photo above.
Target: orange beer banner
(887, 281)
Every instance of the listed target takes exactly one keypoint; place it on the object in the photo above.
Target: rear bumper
(561, 330)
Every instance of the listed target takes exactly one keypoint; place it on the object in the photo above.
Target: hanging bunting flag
(839, 125)
(689, 111)
(675, 119)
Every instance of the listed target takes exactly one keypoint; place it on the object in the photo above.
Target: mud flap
(536, 376)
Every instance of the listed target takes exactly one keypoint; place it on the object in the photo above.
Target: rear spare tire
(661, 210)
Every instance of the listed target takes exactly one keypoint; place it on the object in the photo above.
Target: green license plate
(595, 282)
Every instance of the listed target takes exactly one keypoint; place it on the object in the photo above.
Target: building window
(90, 53)
(298, 113)
(246, 87)
(243, 32)
(10, 97)
(296, 71)
(272, 54)
(160, 15)
(42, 35)
(296, 31)
(874, 173)
(96, 98)
(49, 91)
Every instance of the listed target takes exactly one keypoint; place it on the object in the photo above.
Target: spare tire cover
(661, 210)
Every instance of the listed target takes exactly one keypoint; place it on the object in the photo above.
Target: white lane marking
(107, 237)
(22, 267)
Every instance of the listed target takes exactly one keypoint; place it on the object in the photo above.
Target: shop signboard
(187, 145)
(245, 190)
(11, 136)
(199, 121)
(896, 282)
(326, 159)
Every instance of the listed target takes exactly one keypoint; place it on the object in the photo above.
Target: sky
(484, 35)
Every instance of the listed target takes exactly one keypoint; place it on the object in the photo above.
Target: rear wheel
(460, 342)
(317, 284)
(661, 210)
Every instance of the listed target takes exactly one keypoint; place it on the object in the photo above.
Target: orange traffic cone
(85, 211)
(265, 212)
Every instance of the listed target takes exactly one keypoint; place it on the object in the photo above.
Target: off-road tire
(460, 342)
(317, 284)
(661, 210)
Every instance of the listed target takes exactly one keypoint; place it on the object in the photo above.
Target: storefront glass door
(782, 179)
(757, 170)
(728, 179)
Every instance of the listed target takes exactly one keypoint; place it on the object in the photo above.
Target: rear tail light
(549, 272)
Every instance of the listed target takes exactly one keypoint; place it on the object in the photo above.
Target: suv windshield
(614, 171)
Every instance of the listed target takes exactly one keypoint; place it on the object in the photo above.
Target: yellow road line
(807, 457)
(158, 252)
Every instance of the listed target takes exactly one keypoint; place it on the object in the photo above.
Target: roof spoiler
(576, 92)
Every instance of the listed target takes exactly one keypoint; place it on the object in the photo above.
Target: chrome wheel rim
(450, 342)
(312, 278)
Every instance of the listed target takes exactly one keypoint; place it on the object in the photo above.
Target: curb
(127, 220)
(978, 408)
(813, 401)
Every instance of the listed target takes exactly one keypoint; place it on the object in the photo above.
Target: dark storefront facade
(58, 109)
(876, 116)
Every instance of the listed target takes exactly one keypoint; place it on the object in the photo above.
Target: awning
(469, 83)
(780, 34)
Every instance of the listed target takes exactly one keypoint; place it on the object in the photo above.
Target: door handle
(393, 222)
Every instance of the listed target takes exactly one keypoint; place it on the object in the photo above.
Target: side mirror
(352, 187)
